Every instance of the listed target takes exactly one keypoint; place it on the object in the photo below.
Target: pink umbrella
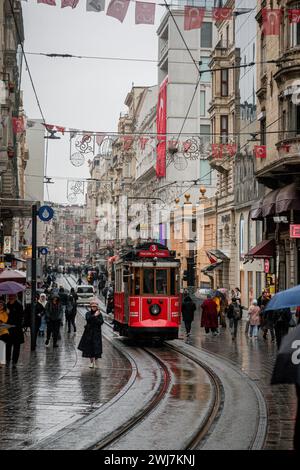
(11, 287)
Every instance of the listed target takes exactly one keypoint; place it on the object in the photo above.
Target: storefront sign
(267, 266)
(295, 231)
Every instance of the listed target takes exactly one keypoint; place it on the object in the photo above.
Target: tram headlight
(155, 309)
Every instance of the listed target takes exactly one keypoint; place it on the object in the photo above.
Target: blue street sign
(45, 213)
(43, 250)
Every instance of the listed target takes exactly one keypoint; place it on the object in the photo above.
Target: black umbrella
(287, 366)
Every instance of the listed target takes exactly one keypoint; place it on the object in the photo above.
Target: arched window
(242, 236)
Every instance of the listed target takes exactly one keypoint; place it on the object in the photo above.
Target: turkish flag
(128, 141)
(193, 17)
(220, 14)
(69, 3)
(60, 129)
(271, 21)
(231, 149)
(144, 13)
(161, 126)
(118, 9)
(294, 16)
(49, 127)
(260, 151)
(212, 258)
(18, 125)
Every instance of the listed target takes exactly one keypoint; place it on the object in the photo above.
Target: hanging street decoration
(260, 151)
(95, 5)
(220, 14)
(74, 188)
(69, 3)
(144, 13)
(193, 17)
(118, 9)
(271, 21)
(18, 125)
(77, 159)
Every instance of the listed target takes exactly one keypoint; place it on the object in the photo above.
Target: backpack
(236, 312)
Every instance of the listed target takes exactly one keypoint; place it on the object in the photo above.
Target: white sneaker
(91, 366)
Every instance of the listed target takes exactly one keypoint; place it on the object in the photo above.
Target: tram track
(211, 422)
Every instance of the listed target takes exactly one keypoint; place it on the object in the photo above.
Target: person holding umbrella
(4, 334)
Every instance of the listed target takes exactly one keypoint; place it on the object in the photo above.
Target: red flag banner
(60, 129)
(193, 17)
(220, 14)
(128, 141)
(48, 2)
(18, 125)
(49, 127)
(271, 21)
(231, 149)
(143, 141)
(118, 9)
(69, 3)
(294, 16)
(161, 126)
(144, 13)
(260, 151)
(217, 150)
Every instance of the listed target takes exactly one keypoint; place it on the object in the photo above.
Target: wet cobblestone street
(51, 388)
(255, 358)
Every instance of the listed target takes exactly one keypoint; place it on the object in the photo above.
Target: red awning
(265, 249)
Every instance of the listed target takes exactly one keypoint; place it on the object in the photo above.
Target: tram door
(126, 289)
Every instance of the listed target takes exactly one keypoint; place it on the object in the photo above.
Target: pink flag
(193, 17)
(118, 9)
(47, 2)
(69, 3)
(144, 13)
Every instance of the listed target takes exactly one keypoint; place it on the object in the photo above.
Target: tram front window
(161, 281)
(148, 281)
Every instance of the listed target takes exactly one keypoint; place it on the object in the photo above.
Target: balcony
(262, 90)
(288, 65)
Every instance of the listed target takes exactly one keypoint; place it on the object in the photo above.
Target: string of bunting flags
(193, 15)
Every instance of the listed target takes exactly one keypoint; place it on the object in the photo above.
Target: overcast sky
(81, 93)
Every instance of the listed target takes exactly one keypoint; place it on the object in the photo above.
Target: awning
(211, 267)
(265, 249)
(269, 203)
(217, 254)
(256, 210)
(277, 202)
(13, 275)
(288, 198)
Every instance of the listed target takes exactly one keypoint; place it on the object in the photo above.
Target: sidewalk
(256, 359)
(52, 388)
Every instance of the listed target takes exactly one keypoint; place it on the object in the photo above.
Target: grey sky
(82, 93)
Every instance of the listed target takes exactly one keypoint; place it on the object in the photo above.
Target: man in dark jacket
(281, 321)
(16, 336)
(53, 318)
(188, 309)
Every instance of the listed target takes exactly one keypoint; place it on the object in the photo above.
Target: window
(250, 224)
(205, 133)
(263, 48)
(294, 118)
(206, 35)
(136, 284)
(173, 282)
(294, 34)
(227, 36)
(161, 281)
(263, 132)
(242, 236)
(202, 103)
(224, 129)
(148, 287)
(220, 238)
(258, 231)
(205, 172)
(205, 76)
(224, 82)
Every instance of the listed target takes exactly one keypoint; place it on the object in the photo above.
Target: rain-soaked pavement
(54, 389)
(255, 358)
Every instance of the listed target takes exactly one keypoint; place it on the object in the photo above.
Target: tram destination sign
(154, 252)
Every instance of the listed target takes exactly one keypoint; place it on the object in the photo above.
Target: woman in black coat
(91, 340)
(16, 336)
(188, 309)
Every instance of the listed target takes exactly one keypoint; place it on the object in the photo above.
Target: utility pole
(33, 277)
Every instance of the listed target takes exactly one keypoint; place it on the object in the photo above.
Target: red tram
(147, 294)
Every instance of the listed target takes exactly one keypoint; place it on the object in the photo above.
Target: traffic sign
(43, 250)
(45, 213)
